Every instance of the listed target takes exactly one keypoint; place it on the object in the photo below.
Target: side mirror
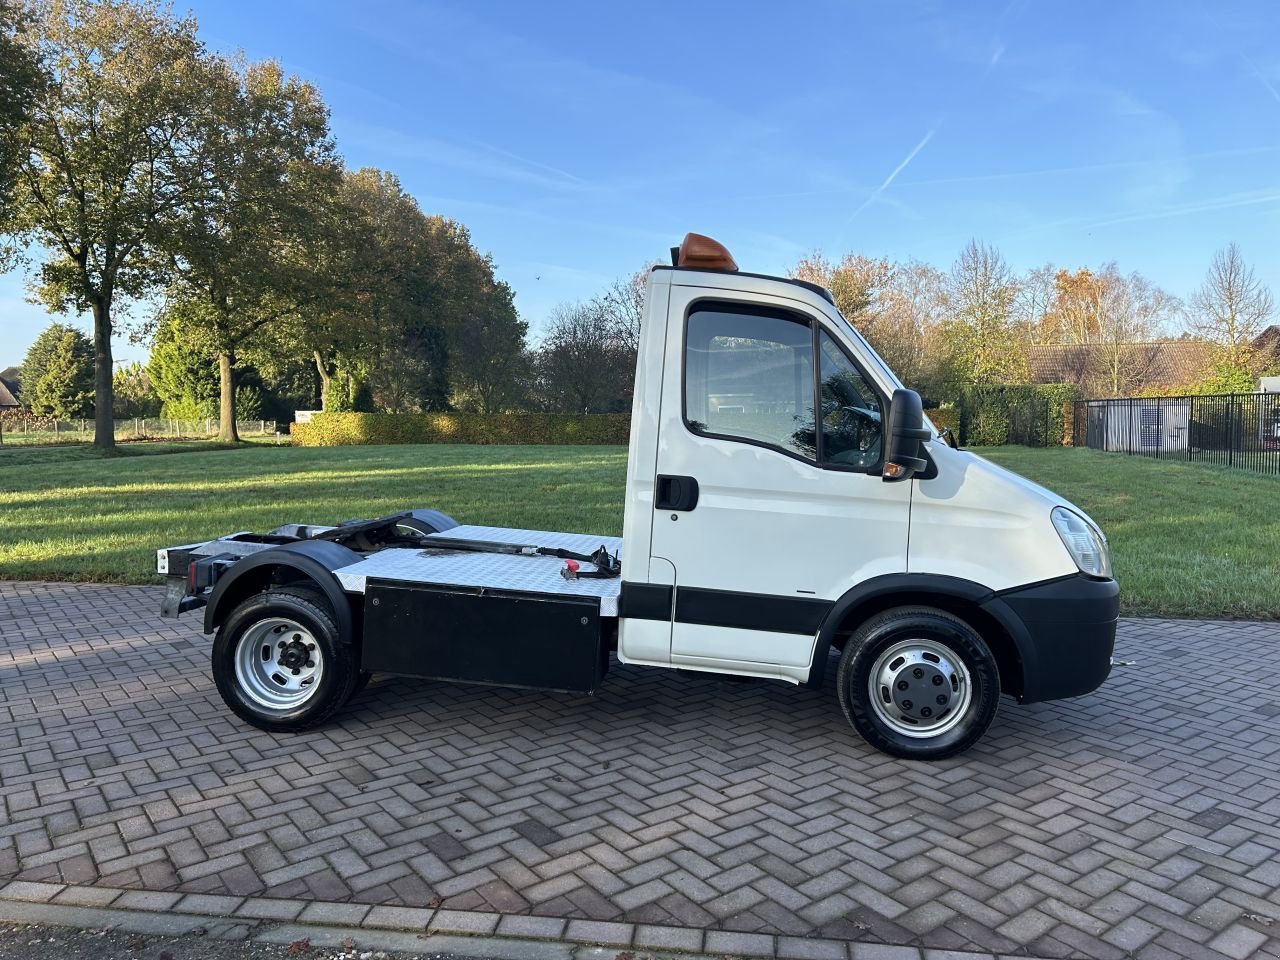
(903, 457)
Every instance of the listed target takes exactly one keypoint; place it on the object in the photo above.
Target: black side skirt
(484, 636)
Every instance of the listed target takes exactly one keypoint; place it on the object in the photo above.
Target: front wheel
(918, 683)
(279, 663)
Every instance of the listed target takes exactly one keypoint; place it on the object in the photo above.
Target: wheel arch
(973, 603)
(312, 561)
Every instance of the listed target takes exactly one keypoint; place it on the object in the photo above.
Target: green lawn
(1189, 540)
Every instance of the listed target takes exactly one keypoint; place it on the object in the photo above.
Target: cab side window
(852, 431)
(749, 376)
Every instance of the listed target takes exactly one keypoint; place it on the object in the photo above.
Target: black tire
(306, 608)
(923, 637)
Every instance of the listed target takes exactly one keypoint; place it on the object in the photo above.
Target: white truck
(785, 498)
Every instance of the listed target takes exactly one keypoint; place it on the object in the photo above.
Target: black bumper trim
(1065, 632)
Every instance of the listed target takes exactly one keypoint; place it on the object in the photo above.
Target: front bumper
(1065, 631)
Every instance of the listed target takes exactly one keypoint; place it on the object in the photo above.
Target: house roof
(1268, 341)
(1165, 363)
(6, 397)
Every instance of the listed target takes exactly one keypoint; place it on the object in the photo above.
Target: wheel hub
(921, 691)
(295, 654)
(277, 664)
(919, 687)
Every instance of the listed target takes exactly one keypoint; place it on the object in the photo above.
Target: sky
(579, 141)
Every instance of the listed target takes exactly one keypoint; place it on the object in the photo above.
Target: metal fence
(1238, 430)
(35, 432)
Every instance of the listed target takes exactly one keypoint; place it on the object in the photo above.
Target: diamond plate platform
(496, 571)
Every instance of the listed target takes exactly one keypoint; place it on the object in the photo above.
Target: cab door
(768, 500)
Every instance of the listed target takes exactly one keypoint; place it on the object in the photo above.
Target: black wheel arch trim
(922, 584)
(314, 559)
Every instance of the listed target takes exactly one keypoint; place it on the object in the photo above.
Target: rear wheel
(279, 663)
(918, 683)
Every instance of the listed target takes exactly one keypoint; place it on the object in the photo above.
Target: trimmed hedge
(345, 429)
(944, 417)
(1037, 415)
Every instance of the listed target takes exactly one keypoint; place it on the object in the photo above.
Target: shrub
(342, 429)
(944, 417)
(1033, 414)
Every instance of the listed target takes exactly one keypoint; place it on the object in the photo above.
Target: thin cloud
(474, 157)
(1230, 201)
(1094, 167)
(537, 165)
(906, 161)
(1262, 78)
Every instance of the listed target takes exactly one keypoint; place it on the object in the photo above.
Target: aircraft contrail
(892, 176)
(1261, 79)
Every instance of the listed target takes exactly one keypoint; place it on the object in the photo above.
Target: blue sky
(580, 140)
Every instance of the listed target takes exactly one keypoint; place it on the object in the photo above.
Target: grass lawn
(1189, 540)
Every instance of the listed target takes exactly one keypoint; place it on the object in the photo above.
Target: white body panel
(767, 523)
(980, 522)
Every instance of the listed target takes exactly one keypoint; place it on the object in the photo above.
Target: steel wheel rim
(269, 665)
(924, 715)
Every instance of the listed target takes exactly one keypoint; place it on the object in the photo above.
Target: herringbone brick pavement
(1141, 820)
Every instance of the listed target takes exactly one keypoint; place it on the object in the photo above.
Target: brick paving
(1142, 820)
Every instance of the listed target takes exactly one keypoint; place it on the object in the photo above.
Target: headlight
(1085, 542)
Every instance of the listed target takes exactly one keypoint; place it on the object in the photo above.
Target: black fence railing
(1240, 430)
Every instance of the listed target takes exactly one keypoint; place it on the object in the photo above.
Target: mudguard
(313, 560)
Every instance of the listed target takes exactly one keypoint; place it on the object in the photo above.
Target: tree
(41, 351)
(135, 397)
(980, 335)
(1231, 309)
(20, 80)
(107, 157)
(582, 366)
(487, 360)
(856, 284)
(1075, 313)
(1036, 294)
(913, 307)
(894, 306)
(390, 276)
(1132, 313)
(624, 304)
(181, 369)
(412, 317)
(268, 166)
(1113, 320)
(61, 377)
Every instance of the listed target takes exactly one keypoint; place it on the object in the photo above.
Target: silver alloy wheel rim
(269, 665)
(897, 665)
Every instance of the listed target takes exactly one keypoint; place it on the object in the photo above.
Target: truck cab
(785, 499)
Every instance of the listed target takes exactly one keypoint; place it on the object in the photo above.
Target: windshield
(889, 375)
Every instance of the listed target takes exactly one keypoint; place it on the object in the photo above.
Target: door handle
(676, 493)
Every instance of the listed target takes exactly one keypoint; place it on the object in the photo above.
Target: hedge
(944, 417)
(343, 429)
(1037, 415)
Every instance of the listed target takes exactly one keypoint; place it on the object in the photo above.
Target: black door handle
(676, 493)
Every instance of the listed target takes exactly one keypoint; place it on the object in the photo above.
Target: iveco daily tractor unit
(786, 499)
